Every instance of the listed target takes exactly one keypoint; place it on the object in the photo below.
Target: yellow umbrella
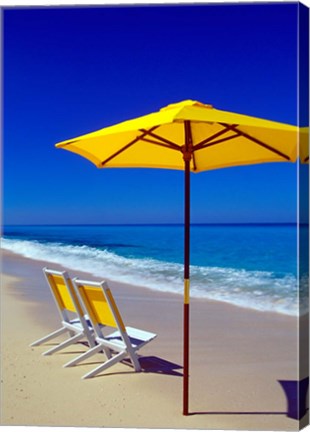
(189, 136)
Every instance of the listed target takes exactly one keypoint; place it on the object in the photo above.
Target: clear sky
(69, 71)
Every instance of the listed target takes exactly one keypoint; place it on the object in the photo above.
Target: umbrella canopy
(218, 139)
(190, 136)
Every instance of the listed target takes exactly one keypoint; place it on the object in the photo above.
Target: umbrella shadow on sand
(296, 392)
(296, 397)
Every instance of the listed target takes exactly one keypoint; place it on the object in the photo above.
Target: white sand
(237, 358)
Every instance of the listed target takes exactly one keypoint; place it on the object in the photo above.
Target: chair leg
(83, 356)
(64, 344)
(48, 337)
(113, 360)
(135, 361)
(90, 337)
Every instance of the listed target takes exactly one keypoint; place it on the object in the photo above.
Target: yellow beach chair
(102, 311)
(73, 318)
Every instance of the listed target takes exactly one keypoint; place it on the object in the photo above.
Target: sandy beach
(237, 358)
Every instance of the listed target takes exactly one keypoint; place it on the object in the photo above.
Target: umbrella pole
(186, 286)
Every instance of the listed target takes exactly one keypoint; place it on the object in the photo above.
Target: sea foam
(260, 290)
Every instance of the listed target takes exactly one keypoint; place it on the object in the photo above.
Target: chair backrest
(100, 304)
(63, 292)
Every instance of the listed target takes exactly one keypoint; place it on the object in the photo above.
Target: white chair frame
(78, 328)
(122, 343)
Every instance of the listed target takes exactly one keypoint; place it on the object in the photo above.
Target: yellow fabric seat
(122, 341)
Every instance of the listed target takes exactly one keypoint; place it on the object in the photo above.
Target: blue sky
(69, 71)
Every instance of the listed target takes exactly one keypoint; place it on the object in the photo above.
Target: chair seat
(76, 322)
(137, 338)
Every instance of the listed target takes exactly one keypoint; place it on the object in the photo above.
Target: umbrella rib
(261, 143)
(160, 144)
(162, 139)
(127, 146)
(217, 142)
(216, 135)
(194, 161)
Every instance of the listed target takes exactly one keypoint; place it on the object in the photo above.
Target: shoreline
(145, 288)
(237, 354)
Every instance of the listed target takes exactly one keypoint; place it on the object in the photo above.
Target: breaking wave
(260, 290)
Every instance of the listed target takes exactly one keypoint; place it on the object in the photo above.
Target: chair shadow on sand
(149, 364)
(296, 397)
(153, 364)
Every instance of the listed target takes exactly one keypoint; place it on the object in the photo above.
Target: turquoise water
(253, 266)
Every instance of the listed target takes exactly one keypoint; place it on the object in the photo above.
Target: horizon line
(161, 224)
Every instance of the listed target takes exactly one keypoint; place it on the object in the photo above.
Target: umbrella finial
(185, 103)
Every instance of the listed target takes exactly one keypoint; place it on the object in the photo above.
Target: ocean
(253, 266)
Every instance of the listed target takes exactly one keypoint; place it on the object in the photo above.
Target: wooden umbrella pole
(186, 288)
(187, 154)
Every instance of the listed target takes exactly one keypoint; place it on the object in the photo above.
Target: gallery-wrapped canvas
(173, 231)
